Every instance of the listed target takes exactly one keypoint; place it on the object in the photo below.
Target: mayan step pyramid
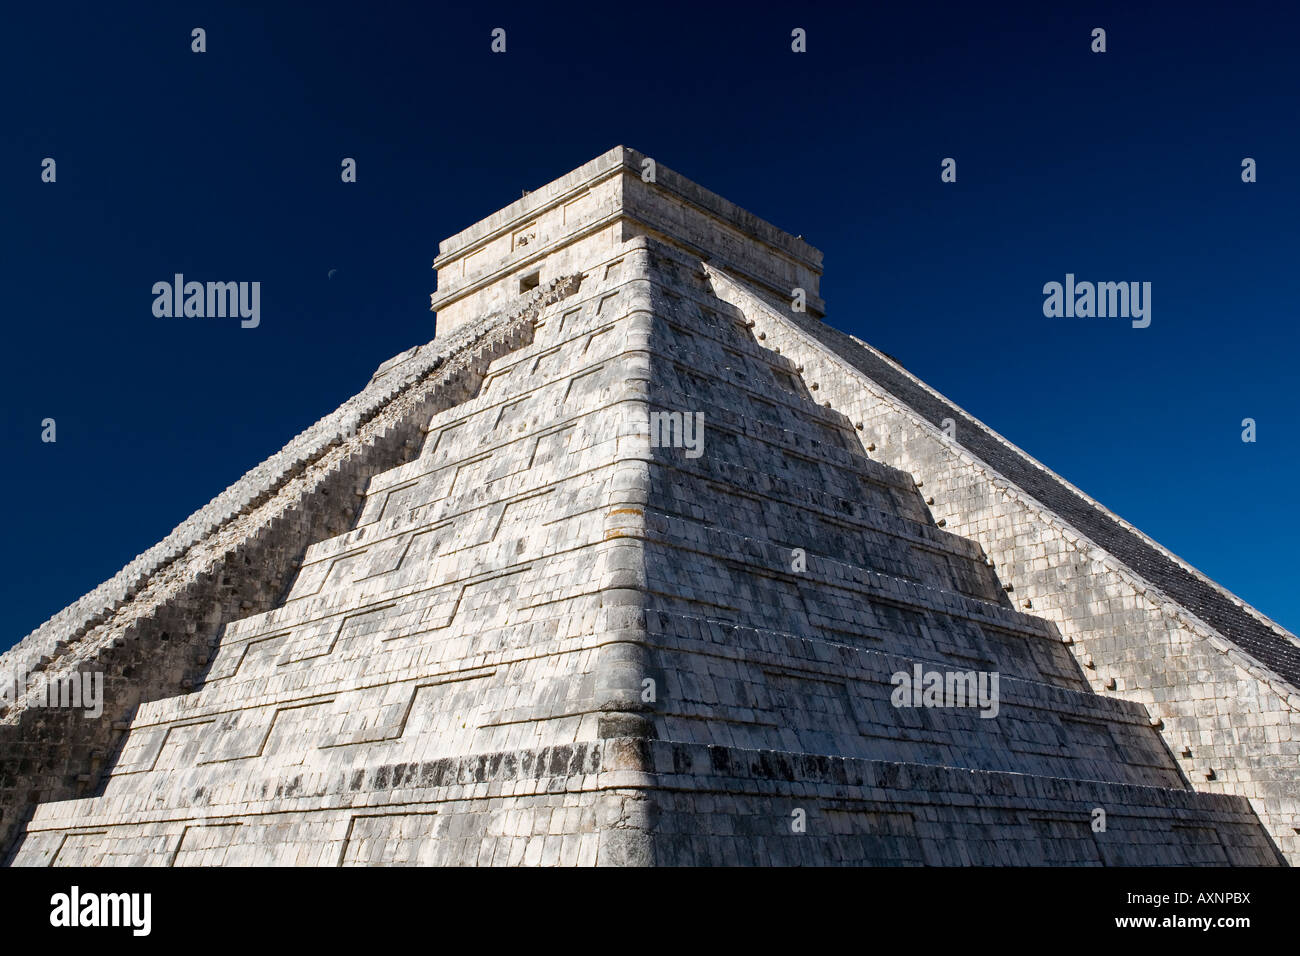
(623, 567)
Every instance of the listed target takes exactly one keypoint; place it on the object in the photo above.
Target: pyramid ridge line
(76, 621)
(1172, 607)
(1118, 519)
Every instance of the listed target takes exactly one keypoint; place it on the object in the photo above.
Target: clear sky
(1120, 166)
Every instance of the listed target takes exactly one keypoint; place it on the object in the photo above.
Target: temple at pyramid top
(598, 207)
(639, 562)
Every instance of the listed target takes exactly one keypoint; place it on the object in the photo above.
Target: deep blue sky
(225, 165)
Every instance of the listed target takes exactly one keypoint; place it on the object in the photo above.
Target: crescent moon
(331, 273)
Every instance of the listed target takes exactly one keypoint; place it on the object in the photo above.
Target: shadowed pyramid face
(607, 574)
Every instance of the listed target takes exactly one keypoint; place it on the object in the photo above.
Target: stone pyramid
(635, 563)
